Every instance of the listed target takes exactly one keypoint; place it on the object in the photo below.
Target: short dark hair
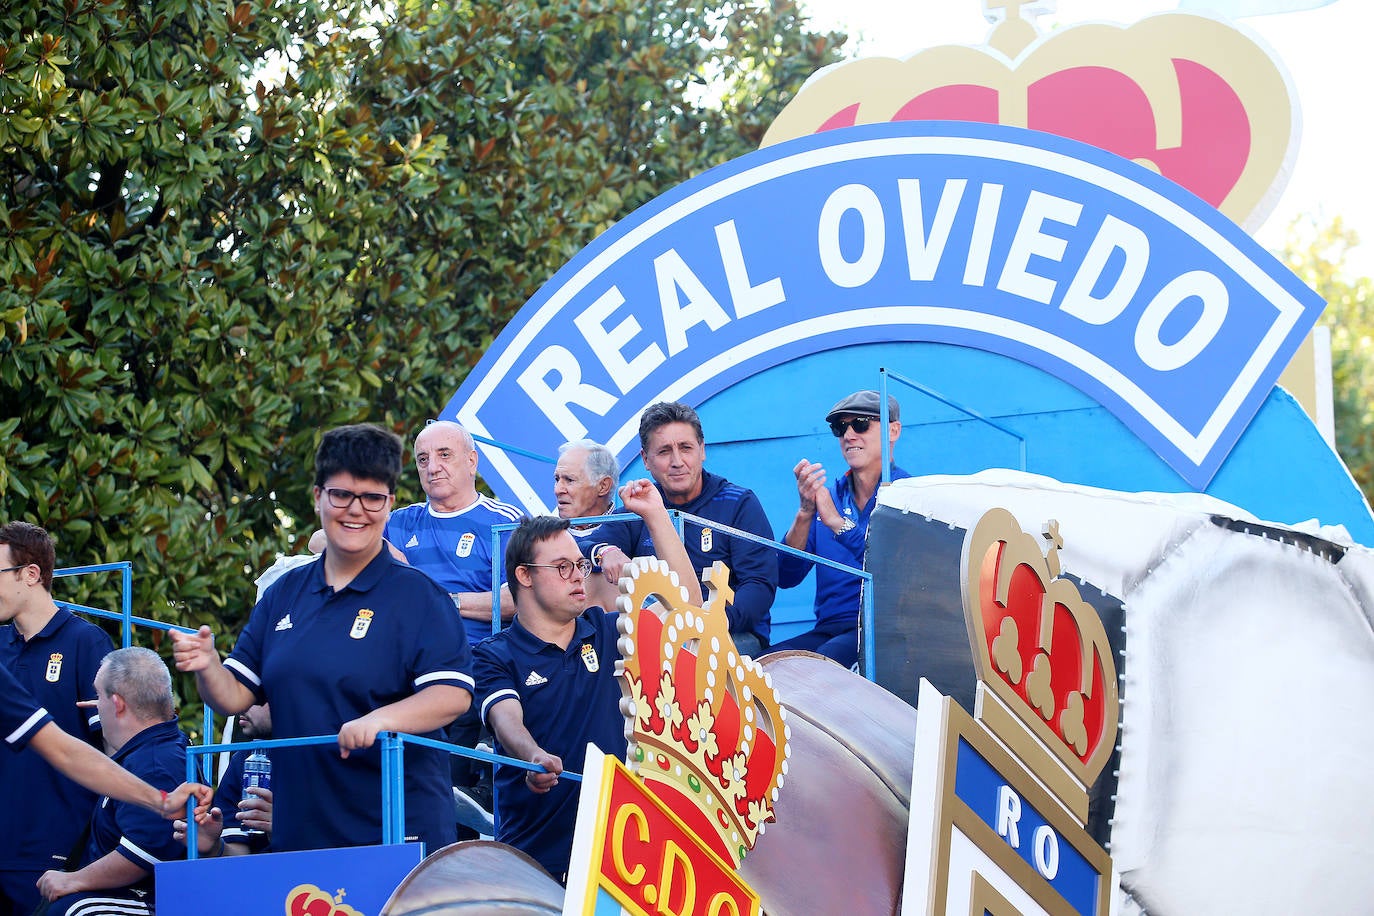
(364, 450)
(663, 413)
(31, 544)
(520, 547)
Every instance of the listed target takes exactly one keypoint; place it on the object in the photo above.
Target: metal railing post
(393, 790)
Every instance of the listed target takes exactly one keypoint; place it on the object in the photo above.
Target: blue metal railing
(126, 617)
(884, 374)
(392, 778)
(866, 618)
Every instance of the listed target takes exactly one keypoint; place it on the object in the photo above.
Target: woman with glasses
(832, 522)
(355, 644)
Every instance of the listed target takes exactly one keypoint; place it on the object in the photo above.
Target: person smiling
(833, 523)
(357, 643)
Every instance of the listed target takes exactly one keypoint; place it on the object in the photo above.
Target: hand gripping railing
(393, 773)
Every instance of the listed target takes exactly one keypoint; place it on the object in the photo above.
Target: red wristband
(164, 797)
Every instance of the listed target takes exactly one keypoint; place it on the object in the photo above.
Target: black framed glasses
(13, 568)
(860, 425)
(565, 567)
(340, 498)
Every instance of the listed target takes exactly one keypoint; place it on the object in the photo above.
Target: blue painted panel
(978, 785)
(1054, 253)
(361, 877)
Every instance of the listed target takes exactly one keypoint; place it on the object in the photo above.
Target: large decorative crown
(708, 733)
(1188, 96)
(1037, 644)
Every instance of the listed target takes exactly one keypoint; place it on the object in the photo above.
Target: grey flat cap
(864, 403)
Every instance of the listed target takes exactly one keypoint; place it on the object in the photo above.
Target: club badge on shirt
(706, 540)
(465, 544)
(589, 658)
(54, 668)
(361, 623)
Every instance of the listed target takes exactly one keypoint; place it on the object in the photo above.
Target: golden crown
(708, 734)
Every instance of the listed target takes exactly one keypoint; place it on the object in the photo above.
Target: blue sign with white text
(1046, 250)
(978, 785)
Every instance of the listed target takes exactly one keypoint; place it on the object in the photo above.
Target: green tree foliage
(225, 227)
(1316, 252)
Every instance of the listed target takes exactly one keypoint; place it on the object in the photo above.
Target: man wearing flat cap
(832, 522)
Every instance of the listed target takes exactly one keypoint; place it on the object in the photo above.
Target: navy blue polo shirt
(20, 717)
(42, 811)
(157, 755)
(568, 697)
(323, 658)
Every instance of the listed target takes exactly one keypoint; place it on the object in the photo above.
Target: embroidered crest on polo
(54, 668)
(535, 679)
(361, 623)
(284, 623)
(706, 540)
(465, 544)
(589, 658)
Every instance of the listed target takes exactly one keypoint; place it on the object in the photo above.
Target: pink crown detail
(708, 733)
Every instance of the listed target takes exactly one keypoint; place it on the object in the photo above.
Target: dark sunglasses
(860, 425)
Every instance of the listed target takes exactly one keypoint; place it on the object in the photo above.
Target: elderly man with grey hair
(138, 718)
(584, 486)
(584, 482)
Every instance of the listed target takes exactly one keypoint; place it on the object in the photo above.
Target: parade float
(1121, 638)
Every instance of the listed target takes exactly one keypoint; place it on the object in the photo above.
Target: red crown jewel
(1038, 645)
(708, 733)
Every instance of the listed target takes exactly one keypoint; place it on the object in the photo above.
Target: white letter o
(863, 201)
(1215, 300)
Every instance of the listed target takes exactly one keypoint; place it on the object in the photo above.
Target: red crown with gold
(708, 733)
(1037, 644)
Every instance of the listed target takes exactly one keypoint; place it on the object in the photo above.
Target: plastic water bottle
(257, 772)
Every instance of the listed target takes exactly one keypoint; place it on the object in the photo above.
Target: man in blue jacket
(674, 452)
(832, 522)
